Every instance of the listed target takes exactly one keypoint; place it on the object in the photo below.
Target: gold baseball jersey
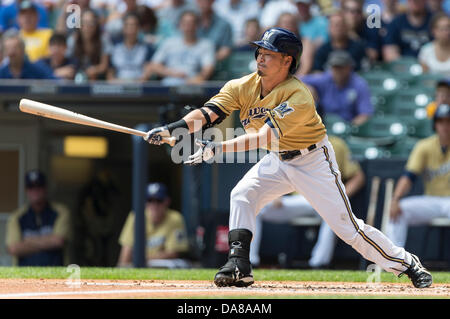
(428, 160)
(169, 236)
(289, 108)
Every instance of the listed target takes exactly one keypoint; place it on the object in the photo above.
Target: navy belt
(287, 155)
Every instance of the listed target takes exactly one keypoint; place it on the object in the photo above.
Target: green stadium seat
(402, 148)
(381, 100)
(428, 81)
(405, 66)
(241, 63)
(382, 130)
(419, 128)
(382, 80)
(362, 149)
(336, 125)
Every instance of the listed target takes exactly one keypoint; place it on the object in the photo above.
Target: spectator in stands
(340, 90)
(339, 40)
(430, 159)
(311, 27)
(36, 39)
(216, 29)
(359, 30)
(169, 16)
(186, 59)
(252, 33)
(287, 208)
(37, 232)
(114, 23)
(16, 64)
(237, 13)
(441, 96)
(63, 67)
(129, 57)
(391, 8)
(272, 10)
(166, 238)
(90, 48)
(9, 13)
(148, 23)
(408, 32)
(436, 6)
(289, 22)
(435, 56)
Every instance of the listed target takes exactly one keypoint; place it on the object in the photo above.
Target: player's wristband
(178, 124)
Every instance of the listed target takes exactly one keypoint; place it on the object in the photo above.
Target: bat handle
(170, 140)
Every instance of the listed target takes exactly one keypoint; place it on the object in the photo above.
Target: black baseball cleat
(418, 274)
(238, 270)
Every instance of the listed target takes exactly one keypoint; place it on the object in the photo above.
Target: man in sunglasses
(166, 237)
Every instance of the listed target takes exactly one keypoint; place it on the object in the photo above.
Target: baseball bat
(57, 113)
(387, 204)
(370, 220)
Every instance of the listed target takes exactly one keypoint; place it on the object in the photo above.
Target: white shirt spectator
(272, 11)
(427, 56)
(237, 15)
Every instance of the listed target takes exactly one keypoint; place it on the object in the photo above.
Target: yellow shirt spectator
(37, 43)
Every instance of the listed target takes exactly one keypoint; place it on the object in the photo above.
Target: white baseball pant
(416, 210)
(291, 207)
(316, 176)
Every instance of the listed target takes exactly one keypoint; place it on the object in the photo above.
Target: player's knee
(241, 193)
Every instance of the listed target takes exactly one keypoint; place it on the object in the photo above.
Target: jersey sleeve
(177, 239)
(227, 99)
(127, 235)
(416, 160)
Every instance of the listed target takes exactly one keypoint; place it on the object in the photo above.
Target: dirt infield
(87, 289)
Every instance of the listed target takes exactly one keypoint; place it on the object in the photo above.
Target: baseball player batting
(278, 113)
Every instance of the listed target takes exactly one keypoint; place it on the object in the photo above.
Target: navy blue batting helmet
(283, 41)
(442, 111)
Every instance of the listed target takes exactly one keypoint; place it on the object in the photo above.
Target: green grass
(202, 274)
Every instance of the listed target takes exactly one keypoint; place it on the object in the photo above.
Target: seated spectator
(408, 32)
(430, 161)
(129, 57)
(169, 16)
(37, 232)
(62, 66)
(16, 64)
(339, 40)
(436, 6)
(184, 59)
(237, 13)
(435, 56)
(252, 33)
(89, 48)
(9, 14)
(36, 39)
(114, 23)
(390, 9)
(360, 31)
(313, 28)
(441, 96)
(148, 23)
(215, 29)
(166, 237)
(272, 10)
(287, 208)
(289, 22)
(340, 90)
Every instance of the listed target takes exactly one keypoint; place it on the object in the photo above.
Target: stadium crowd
(182, 41)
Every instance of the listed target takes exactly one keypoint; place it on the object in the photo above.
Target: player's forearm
(35, 244)
(249, 141)
(403, 187)
(355, 183)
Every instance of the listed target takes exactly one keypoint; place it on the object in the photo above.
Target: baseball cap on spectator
(26, 5)
(35, 178)
(157, 191)
(340, 58)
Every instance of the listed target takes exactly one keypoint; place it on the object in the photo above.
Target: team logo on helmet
(283, 109)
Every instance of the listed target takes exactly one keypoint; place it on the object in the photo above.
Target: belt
(287, 155)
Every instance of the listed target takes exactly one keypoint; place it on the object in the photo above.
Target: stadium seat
(336, 125)
(382, 100)
(382, 130)
(362, 149)
(419, 128)
(406, 66)
(402, 148)
(428, 81)
(241, 63)
(382, 80)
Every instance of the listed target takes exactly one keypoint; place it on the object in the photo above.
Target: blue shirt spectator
(311, 27)
(340, 90)
(9, 13)
(408, 32)
(29, 71)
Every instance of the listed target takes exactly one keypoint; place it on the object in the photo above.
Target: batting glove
(207, 151)
(156, 135)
